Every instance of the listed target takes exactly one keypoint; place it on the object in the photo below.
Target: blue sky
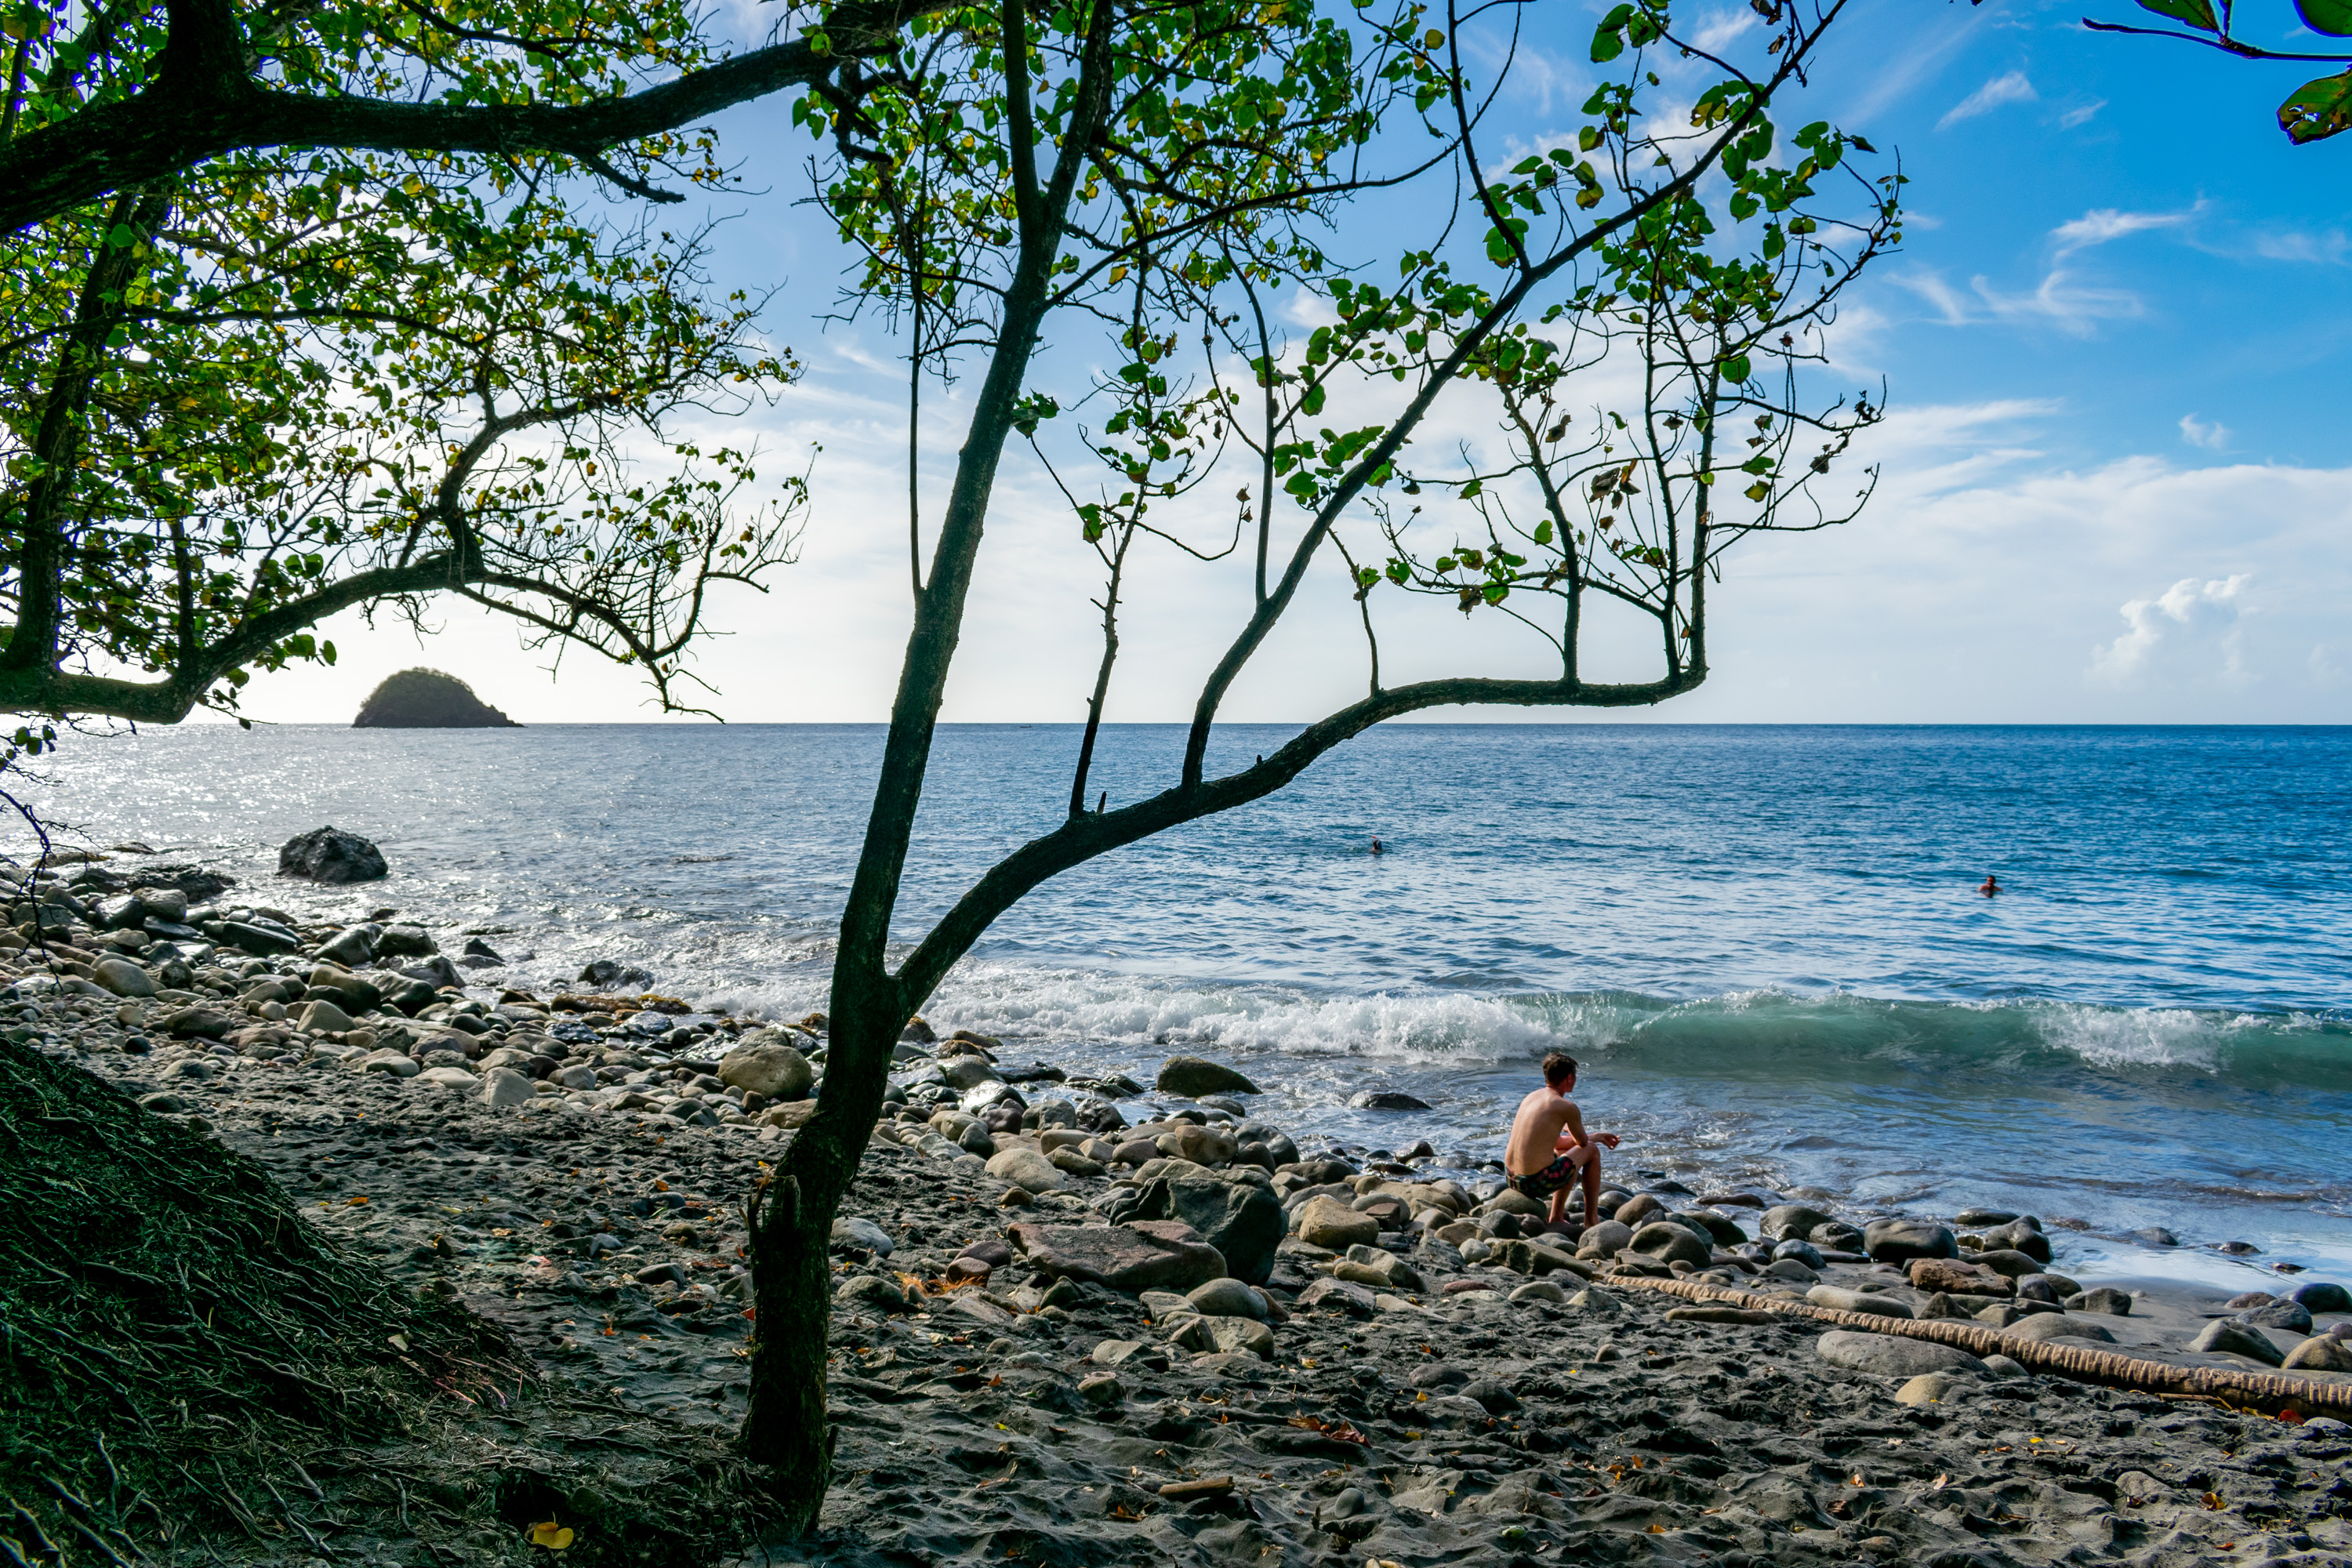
(2116, 479)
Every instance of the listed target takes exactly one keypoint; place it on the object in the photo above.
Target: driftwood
(2272, 1394)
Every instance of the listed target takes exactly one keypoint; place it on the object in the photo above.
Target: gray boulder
(1863, 1301)
(2321, 1297)
(854, 1232)
(1348, 1297)
(1891, 1355)
(1901, 1240)
(2291, 1315)
(1227, 1298)
(351, 948)
(1607, 1239)
(2322, 1353)
(1791, 1221)
(503, 1088)
(1027, 1169)
(968, 1072)
(2112, 1302)
(1669, 1242)
(1242, 1221)
(2023, 1234)
(1193, 1077)
(765, 1066)
(2224, 1337)
(122, 977)
(2055, 1326)
(331, 854)
(1150, 1254)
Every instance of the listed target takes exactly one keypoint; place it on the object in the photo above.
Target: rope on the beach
(2268, 1392)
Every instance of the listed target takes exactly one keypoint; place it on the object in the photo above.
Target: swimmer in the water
(1991, 887)
(1376, 846)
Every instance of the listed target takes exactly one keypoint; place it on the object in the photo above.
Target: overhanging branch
(186, 119)
(1083, 837)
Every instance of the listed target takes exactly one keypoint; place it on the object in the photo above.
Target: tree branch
(1082, 838)
(191, 115)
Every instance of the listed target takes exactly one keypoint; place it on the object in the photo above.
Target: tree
(243, 400)
(1168, 172)
(108, 95)
(2313, 112)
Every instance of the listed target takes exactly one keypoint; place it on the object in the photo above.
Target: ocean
(1765, 943)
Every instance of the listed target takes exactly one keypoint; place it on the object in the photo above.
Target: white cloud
(2101, 224)
(2080, 115)
(2197, 433)
(2190, 630)
(2011, 88)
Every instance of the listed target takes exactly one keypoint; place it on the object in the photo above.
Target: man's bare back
(1549, 1152)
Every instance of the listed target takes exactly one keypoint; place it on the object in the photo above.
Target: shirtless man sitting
(1550, 1152)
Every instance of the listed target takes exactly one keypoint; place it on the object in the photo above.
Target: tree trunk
(790, 1216)
(792, 1283)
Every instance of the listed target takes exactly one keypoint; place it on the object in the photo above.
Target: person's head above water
(1991, 884)
(1559, 1071)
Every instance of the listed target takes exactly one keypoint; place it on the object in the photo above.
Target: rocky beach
(1081, 1319)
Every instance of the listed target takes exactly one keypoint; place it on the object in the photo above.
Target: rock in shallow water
(331, 854)
(1195, 1076)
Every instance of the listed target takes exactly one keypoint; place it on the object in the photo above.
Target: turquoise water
(1766, 941)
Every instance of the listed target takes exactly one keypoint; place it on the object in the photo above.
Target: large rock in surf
(331, 854)
(427, 699)
(1243, 1221)
(1193, 1077)
(1148, 1255)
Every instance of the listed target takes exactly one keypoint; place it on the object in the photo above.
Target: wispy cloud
(2103, 224)
(2011, 88)
(2214, 438)
(2061, 300)
(2327, 249)
(2080, 115)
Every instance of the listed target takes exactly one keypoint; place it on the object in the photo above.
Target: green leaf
(2196, 13)
(2333, 17)
(1735, 367)
(2318, 109)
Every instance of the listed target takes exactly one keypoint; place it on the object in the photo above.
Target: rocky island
(427, 699)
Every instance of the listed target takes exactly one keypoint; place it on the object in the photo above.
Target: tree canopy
(245, 398)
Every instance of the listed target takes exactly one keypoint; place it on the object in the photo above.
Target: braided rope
(2269, 1393)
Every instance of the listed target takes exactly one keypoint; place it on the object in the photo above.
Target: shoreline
(1409, 1377)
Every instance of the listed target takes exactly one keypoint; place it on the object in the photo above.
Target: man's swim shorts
(1540, 1184)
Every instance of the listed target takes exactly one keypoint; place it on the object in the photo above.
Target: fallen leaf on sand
(552, 1535)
